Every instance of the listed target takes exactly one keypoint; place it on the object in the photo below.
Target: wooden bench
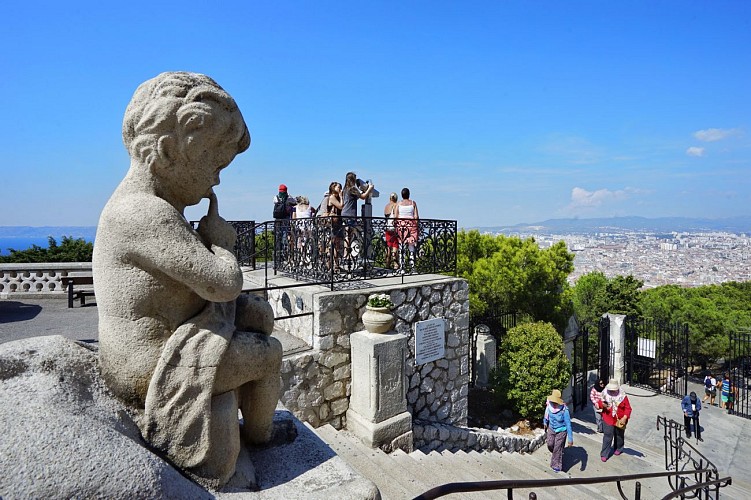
(70, 282)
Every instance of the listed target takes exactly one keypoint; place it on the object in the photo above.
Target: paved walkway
(726, 437)
(20, 319)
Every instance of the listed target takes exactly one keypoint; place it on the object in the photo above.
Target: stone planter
(377, 319)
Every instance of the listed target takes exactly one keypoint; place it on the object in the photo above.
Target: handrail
(719, 483)
(511, 484)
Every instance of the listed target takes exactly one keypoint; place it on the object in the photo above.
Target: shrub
(532, 363)
(70, 250)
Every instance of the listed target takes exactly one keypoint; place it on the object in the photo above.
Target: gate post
(618, 345)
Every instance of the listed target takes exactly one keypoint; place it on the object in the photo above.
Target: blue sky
(490, 112)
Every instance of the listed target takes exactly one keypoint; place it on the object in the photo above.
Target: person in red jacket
(616, 410)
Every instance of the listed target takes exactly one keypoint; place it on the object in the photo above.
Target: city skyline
(495, 114)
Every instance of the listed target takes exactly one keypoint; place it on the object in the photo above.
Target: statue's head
(184, 128)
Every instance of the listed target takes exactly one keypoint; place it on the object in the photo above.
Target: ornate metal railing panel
(328, 250)
(681, 456)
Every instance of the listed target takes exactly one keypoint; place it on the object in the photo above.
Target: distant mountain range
(741, 224)
(86, 232)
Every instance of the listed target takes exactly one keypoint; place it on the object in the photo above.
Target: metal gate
(740, 372)
(592, 358)
(498, 323)
(657, 355)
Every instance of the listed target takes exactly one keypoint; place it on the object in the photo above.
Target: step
(374, 464)
(537, 466)
(434, 473)
(461, 470)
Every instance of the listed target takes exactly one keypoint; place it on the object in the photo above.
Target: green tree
(511, 274)
(70, 250)
(590, 299)
(623, 295)
(533, 364)
(712, 312)
(594, 295)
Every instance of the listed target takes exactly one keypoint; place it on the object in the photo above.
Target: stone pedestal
(485, 358)
(378, 405)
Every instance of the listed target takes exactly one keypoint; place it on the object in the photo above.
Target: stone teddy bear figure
(177, 340)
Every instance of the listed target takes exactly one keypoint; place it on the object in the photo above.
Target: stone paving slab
(34, 317)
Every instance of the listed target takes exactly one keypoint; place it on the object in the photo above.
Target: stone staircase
(403, 475)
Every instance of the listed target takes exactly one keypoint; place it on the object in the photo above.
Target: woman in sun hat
(557, 423)
(616, 411)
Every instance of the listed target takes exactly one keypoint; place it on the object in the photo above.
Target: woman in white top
(406, 223)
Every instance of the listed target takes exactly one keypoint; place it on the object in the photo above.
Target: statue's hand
(214, 230)
(253, 314)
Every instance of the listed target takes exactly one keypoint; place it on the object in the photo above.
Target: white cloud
(694, 151)
(581, 198)
(715, 134)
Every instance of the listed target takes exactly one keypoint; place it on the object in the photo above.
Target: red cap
(282, 188)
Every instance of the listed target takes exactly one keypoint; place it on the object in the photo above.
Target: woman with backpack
(710, 389)
(282, 213)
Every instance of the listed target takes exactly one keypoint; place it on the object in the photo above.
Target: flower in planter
(380, 300)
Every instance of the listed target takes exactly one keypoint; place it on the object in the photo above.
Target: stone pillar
(378, 405)
(618, 344)
(485, 356)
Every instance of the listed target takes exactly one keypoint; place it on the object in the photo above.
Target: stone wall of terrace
(317, 383)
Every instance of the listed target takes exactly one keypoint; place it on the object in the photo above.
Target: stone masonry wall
(432, 436)
(317, 383)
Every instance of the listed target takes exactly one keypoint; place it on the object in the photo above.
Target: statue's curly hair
(177, 105)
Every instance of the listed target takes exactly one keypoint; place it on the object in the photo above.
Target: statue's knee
(276, 352)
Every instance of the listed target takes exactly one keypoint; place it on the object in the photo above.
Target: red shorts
(392, 241)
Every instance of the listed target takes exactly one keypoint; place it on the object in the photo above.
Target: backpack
(707, 382)
(280, 208)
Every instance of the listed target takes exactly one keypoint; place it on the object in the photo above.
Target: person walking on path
(595, 395)
(616, 411)
(691, 407)
(710, 389)
(557, 423)
(724, 391)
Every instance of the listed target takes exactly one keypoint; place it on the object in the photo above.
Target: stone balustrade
(38, 279)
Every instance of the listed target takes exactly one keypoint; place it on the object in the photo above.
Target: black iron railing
(680, 455)
(339, 250)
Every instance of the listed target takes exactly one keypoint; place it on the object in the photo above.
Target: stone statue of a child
(176, 339)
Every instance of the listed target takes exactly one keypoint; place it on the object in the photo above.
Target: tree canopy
(594, 295)
(70, 250)
(712, 312)
(510, 274)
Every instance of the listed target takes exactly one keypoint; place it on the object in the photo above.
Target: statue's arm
(160, 240)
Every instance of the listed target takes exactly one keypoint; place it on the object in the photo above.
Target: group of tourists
(728, 391)
(339, 205)
(612, 413)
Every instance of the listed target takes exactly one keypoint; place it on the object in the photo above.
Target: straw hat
(555, 397)
(613, 385)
